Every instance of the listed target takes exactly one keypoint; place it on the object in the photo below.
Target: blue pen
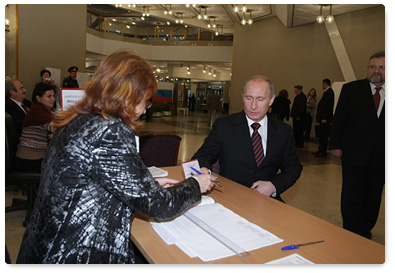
(297, 246)
(215, 182)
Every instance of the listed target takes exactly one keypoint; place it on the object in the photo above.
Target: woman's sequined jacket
(92, 182)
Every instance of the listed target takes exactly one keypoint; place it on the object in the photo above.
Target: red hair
(120, 83)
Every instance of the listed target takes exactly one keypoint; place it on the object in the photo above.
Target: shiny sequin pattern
(92, 182)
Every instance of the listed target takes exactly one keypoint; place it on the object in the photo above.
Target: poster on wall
(70, 96)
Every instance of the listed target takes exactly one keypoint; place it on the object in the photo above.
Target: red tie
(376, 97)
(257, 144)
(25, 108)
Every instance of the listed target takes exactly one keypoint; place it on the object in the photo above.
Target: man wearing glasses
(358, 137)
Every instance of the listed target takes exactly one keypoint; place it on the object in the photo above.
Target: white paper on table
(291, 259)
(157, 172)
(195, 241)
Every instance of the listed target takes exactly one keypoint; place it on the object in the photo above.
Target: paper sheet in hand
(157, 172)
(195, 242)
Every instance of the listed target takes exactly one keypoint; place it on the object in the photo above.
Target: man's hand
(204, 170)
(265, 187)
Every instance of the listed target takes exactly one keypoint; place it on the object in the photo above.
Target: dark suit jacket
(356, 128)
(298, 109)
(230, 142)
(17, 114)
(325, 106)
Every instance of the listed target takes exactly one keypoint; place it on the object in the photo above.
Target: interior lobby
(304, 54)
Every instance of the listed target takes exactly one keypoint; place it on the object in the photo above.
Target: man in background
(324, 118)
(358, 137)
(71, 81)
(16, 104)
(298, 114)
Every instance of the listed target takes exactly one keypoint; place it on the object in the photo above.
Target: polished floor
(316, 192)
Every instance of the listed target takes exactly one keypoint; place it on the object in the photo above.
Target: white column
(340, 51)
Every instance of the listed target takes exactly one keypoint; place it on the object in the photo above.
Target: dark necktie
(376, 97)
(257, 144)
(25, 107)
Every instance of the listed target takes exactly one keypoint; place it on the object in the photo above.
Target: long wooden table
(286, 222)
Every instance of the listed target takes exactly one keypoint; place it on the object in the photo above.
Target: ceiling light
(204, 70)
(330, 18)
(244, 21)
(320, 18)
(236, 9)
(7, 25)
(244, 8)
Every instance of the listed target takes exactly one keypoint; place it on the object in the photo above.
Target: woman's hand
(167, 182)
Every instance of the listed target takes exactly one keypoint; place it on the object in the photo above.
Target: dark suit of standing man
(325, 117)
(15, 104)
(298, 114)
(358, 136)
(230, 142)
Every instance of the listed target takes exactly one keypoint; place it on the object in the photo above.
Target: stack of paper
(200, 242)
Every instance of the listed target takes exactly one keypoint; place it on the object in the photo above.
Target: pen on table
(215, 182)
(298, 245)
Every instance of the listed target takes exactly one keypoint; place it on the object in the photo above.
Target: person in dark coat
(358, 137)
(71, 81)
(231, 142)
(324, 118)
(16, 104)
(280, 106)
(298, 114)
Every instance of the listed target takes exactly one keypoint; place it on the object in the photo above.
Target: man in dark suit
(298, 114)
(324, 117)
(15, 103)
(231, 142)
(358, 137)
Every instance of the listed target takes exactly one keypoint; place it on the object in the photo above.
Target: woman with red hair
(93, 179)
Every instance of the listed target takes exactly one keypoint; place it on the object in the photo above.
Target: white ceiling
(291, 15)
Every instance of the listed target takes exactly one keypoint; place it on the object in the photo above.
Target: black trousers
(308, 124)
(298, 130)
(361, 196)
(323, 137)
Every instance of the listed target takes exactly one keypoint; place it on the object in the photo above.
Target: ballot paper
(291, 259)
(157, 172)
(198, 242)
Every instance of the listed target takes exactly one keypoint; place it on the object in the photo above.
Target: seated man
(15, 103)
(251, 146)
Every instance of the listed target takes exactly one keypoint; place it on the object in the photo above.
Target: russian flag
(163, 95)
